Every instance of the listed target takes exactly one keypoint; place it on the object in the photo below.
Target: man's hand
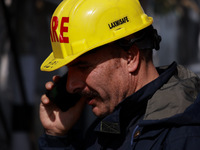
(54, 121)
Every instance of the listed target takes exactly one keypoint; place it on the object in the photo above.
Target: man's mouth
(90, 101)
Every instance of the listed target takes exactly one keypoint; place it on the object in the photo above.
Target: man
(107, 47)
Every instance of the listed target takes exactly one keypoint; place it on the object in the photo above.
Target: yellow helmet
(78, 26)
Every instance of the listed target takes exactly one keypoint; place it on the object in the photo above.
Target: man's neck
(147, 73)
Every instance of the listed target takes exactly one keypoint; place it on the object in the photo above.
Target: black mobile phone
(60, 97)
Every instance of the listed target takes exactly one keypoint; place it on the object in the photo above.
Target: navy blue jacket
(163, 115)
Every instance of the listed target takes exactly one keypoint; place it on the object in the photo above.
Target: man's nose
(74, 83)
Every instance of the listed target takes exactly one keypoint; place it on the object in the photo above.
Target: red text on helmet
(63, 29)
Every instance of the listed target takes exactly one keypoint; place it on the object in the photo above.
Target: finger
(49, 85)
(72, 115)
(44, 99)
(56, 78)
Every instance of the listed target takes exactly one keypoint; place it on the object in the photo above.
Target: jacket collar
(191, 116)
(175, 96)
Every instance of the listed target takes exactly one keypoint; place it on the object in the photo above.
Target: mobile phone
(60, 97)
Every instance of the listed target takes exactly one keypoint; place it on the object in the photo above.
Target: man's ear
(133, 59)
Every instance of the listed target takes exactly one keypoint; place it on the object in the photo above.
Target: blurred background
(25, 43)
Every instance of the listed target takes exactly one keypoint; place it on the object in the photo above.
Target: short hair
(145, 40)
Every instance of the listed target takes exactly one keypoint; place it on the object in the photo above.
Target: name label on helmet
(118, 22)
(63, 29)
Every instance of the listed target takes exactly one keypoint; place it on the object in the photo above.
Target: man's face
(100, 77)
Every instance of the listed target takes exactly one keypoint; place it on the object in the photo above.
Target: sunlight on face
(99, 77)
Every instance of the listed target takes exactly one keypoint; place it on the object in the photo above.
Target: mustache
(90, 94)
